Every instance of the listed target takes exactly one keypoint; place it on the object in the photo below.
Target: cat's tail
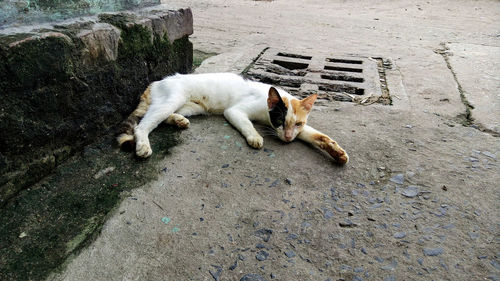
(125, 136)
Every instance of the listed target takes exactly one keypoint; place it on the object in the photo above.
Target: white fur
(241, 101)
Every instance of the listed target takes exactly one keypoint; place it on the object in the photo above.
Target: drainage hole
(359, 92)
(290, 85)
(346, 69)
(282, 71)
(291, 65)
(344, 61)
(343, 78)
(279, 82)
(288, 55)
(342, 89)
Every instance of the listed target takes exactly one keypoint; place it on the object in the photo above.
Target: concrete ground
(419, 199)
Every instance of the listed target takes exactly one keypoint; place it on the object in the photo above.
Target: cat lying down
(241, 101)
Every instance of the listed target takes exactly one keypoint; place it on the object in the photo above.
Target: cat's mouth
(285, 139)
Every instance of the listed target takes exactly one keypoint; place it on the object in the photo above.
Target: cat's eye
(299, 124)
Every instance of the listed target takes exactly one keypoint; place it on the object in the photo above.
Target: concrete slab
(234, 60)
(218, 203)
(477, 68)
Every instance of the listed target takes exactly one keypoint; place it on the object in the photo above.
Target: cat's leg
(126, 138)
(179, 117)
(154, 116)
(241, 122)
(324, 143)
(178, 120)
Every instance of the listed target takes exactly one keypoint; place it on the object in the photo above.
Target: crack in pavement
(465, 119)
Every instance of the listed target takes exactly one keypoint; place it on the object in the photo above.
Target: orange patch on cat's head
(285, 101)
(308, 102)
(301, 108)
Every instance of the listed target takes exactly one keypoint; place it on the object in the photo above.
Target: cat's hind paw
(255, 141)
(178, 120)
(143, 149)
(126, 142)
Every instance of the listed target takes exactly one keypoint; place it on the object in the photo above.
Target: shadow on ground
(60, 215)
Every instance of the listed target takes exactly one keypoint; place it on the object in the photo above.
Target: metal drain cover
(340, 77)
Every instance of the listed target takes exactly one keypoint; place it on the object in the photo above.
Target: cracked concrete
(418, 200)
(476, 69)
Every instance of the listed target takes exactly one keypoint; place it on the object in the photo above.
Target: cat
(241, 101)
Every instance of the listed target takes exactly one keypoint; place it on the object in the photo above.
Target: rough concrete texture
(477, 69)
(64, 85)
(417, 201)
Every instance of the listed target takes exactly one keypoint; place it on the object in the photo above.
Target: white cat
(241, 101)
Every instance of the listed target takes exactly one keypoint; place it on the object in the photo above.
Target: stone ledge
(64, 85)
(101, 41)
(175, 24)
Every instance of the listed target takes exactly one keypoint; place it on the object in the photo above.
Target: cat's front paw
(143, 149)
(255, 141)
(343, 159)
(337, 153)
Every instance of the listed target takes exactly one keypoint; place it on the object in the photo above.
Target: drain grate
(339, 77)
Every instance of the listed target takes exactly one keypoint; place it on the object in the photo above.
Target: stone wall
(64, 86)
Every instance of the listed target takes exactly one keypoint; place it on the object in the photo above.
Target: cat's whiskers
(266, 130)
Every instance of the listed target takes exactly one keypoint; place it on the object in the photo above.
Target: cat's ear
(308, 102)
(273, 99)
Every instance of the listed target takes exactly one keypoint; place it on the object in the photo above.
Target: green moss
(138, 45)
(88, 229)
(183, 51)
(29, 68)
(135, 43)
(64, 212)
(200, 56)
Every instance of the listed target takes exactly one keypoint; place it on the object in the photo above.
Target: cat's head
(288, 116)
